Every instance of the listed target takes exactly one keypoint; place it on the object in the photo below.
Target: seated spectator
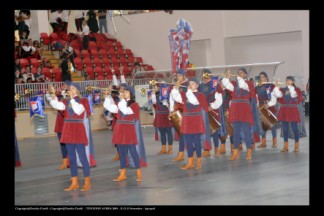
(39, 76)
(23, 37)
(85, 33)
(38, 54)
(46, 63)
(18, 76)
(17, 64)
(28, 74)
(137, 68)
(27, 50)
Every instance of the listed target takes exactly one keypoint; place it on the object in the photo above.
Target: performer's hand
(177, 85)
(113, 71)
(226, 114)
(121, 96)
(121, 68)
(227, 74)
(71, 94)
(210, 109)
(51, 88)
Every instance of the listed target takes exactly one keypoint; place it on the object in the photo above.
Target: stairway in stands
(53, 57)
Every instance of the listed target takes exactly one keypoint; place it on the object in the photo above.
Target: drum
(176, 118)
(268, 119)
(213, 123)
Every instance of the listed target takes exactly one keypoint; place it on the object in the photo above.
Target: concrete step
(55, 61)
(55, 65)
(49, 56)
(77, 78)
(47, 52)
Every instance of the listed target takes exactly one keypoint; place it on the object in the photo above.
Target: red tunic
(288, 110)
(240, 107)
(124, 131)
(74, 131)
(192, 120)
(161, 115)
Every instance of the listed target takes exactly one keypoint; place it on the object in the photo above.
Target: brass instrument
(154, 82)
(90, 88)
(26, 92)
(208, 75)
(144, 91)
(275, 83)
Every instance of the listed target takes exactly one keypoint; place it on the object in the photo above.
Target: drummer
(192, 124)
(213, 94)
(266, 98)
(174, 106)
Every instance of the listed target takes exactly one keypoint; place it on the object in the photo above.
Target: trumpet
(275, 83)
(154, 82)
(207, 75)
(144, 91)
(90, 88)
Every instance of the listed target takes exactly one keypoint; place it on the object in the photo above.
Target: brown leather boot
(222, 149)
(240, 147)
(169, 150)
(232, 148)
(198, 166)
(87, 184)
(180, 157)
(189, 165)
(274, 142)
(285, 148)
(216, 152)
(122, 176)
(206, 153)
(235, 155)
(296, 147)
(116, 158)
(248, 154)
(163, 150)
(139, 175)
(74, 184)
(263, 143)
(64, 164)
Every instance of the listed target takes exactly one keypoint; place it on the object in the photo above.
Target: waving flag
(164, 94)
(213, 83)
(90, 102)
(96, 97)
(35, 107)
(179, 40)
(149, 97)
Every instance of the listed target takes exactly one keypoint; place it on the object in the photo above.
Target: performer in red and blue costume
(126, 135)
(289, 98)
(266, 97)
(161, 120)
(192, 125)
(213, 93)
(240, 110)
(74, 132)
(17, 156)
(174, 106)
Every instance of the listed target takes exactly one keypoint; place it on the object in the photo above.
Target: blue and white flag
(213, 83)
(164, 93)
(96, 97)
(35, 107)
(149, 97)
(90, 102)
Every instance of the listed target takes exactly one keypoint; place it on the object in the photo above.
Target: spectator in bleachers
(25, 14)
(65, 69)
(65, 20)
(18, 77)
(27, 50)
(79, 17)
(27, 75)
(137, 68)
(69, 52)
(39, 76)
(85, 33)
(56, 21)
(23, 37)
(102, 16)
(17, 65)
(46, 63)
(38, 54)
(92, 21)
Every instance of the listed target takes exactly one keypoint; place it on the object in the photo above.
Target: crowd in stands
(96, 55)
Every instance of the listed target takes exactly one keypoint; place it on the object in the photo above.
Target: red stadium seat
(87, 62)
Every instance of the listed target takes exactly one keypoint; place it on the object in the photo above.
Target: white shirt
(85, 29)
(77, 107)
(78, 14)
(110, 105)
